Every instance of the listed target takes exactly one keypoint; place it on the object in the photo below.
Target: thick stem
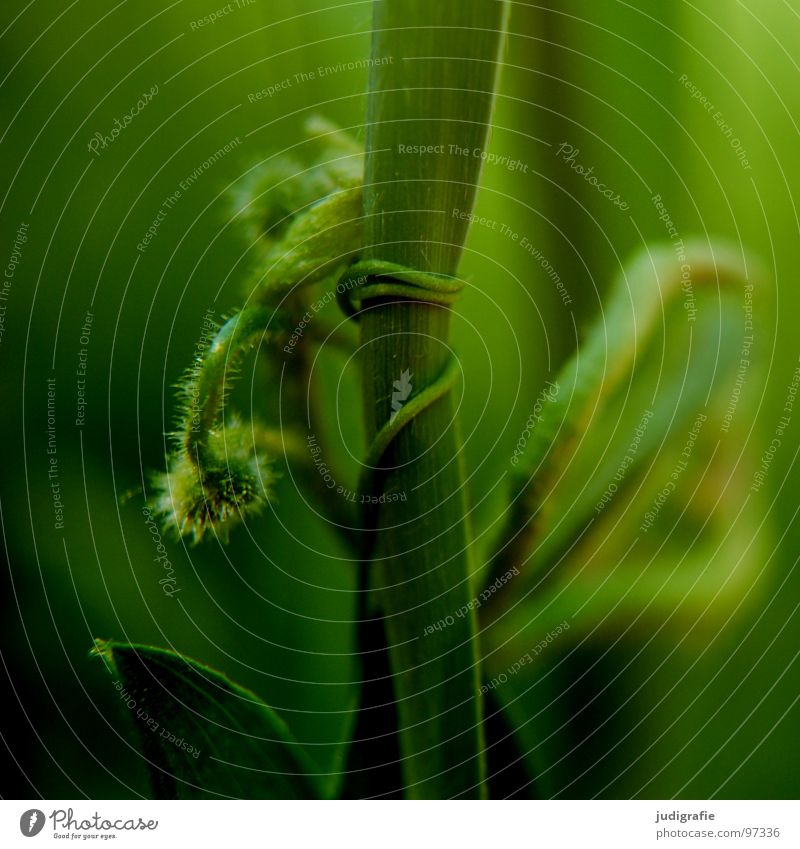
(431, 92)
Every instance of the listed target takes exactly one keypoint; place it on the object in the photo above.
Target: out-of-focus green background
(715, 714)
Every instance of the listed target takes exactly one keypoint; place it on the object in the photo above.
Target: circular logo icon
(31, 822)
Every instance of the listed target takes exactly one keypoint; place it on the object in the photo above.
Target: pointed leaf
(202, 735)
(660, 355)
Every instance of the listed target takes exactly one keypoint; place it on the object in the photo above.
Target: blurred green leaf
(657, 356)
(202, 735)
(633, 492)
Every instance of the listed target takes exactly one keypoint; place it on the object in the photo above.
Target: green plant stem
(432, 85)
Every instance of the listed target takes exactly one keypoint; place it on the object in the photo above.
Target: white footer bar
(404, 825)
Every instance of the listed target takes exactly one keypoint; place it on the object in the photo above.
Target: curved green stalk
(205, 394)
(311, 223)
(218, 473)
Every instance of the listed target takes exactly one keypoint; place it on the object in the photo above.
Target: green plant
(388, 246)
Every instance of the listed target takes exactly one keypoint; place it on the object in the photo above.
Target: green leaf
(660, 353)
(202, 735)
(641, 517)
